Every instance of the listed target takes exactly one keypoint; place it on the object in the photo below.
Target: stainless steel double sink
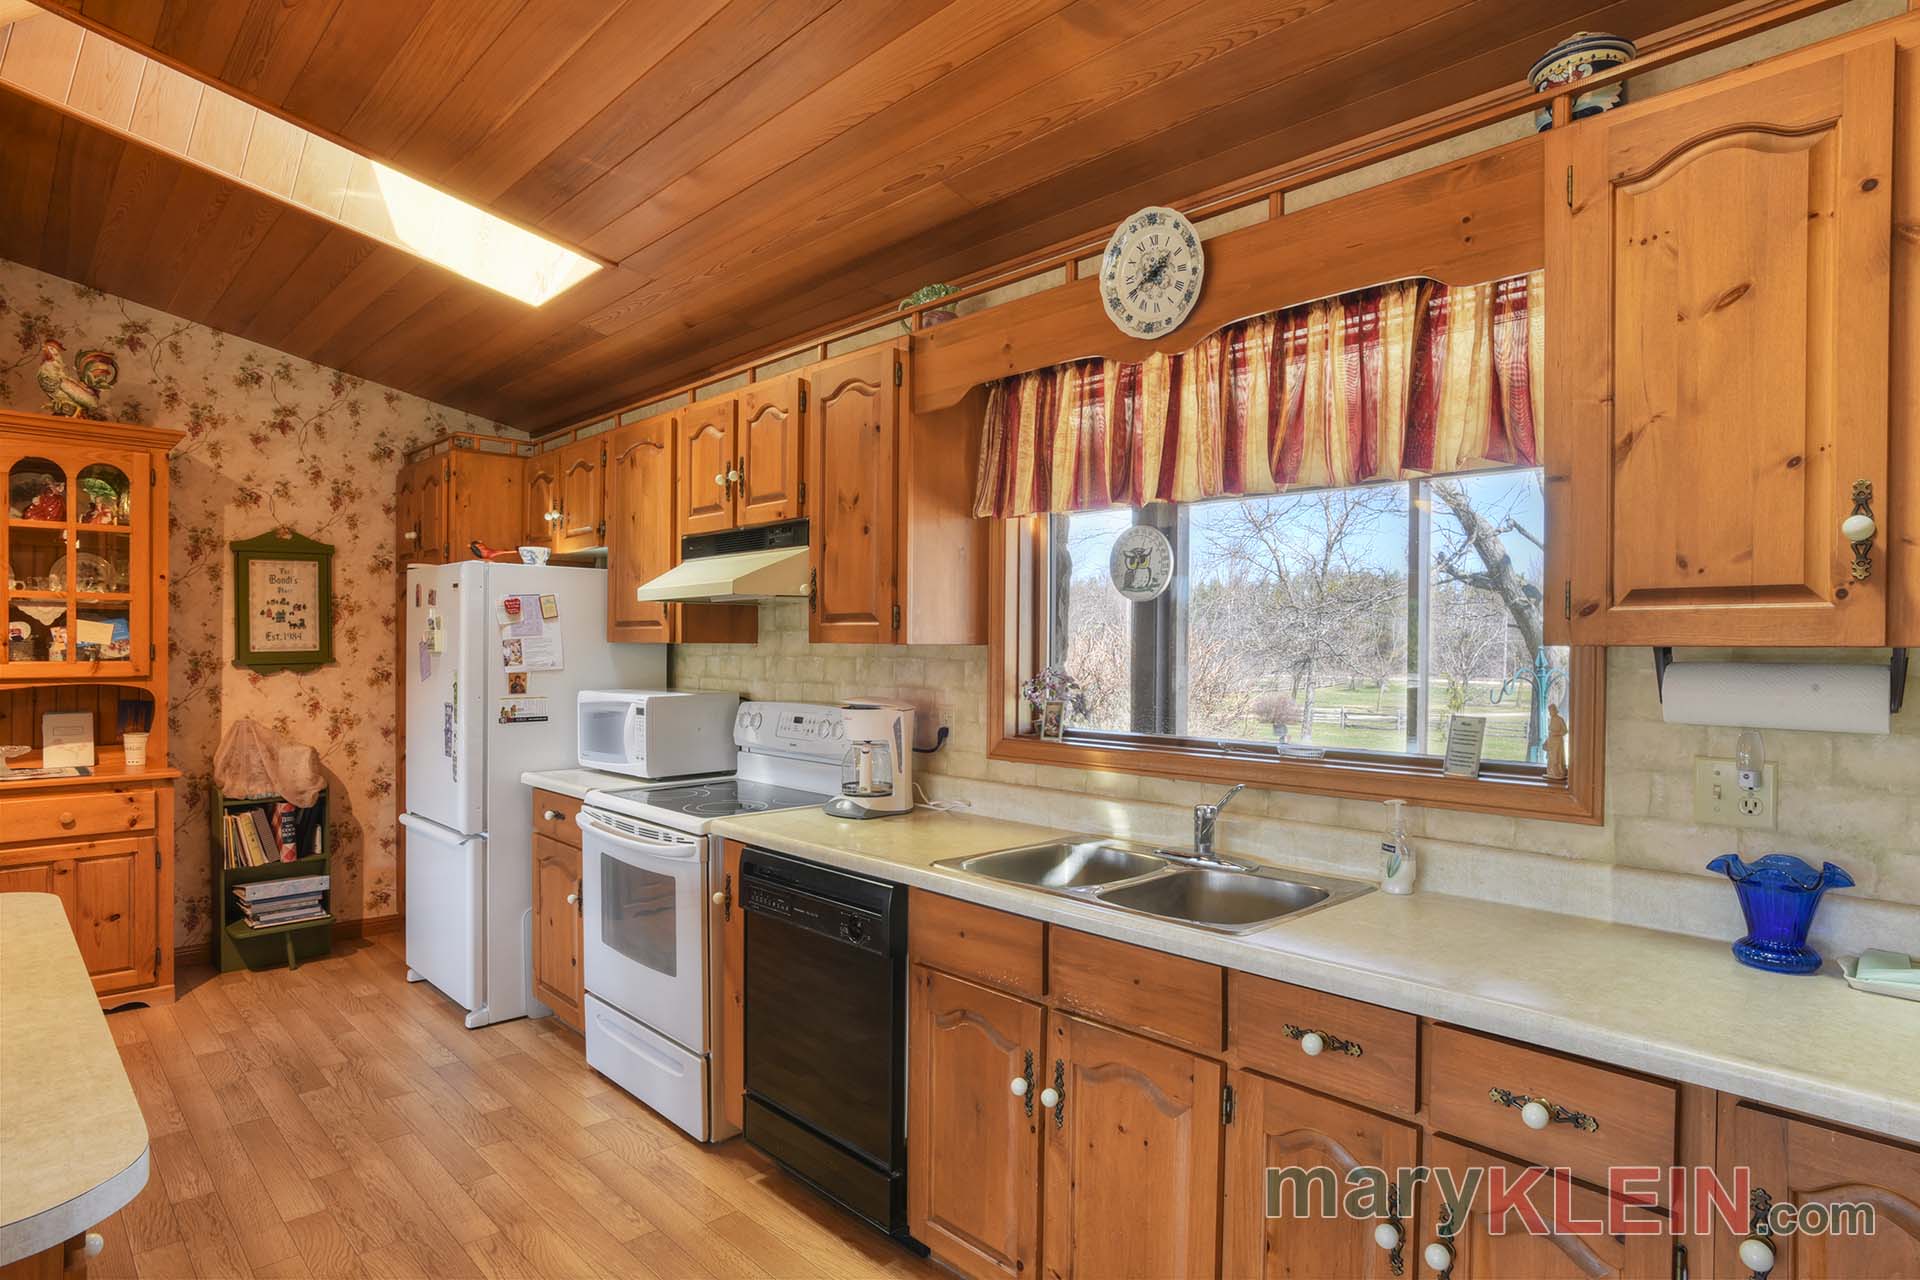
(1128, 877)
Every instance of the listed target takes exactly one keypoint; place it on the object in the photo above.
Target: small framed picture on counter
(1053, 721)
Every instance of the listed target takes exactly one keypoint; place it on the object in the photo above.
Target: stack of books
(256, 837)
(269, 902)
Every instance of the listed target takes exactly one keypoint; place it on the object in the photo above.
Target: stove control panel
(808, 728)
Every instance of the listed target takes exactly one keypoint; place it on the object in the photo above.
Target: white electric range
(655, 902)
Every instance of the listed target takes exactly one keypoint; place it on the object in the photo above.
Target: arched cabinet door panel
(773, 417)
(640, 533)
(1817, 1170)
(852, 498)
(1717, 310)
(705, 461)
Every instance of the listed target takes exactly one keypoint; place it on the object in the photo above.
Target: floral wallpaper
(271, 440)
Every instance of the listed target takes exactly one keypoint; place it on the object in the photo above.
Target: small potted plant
(930, 293)
(1053, 693)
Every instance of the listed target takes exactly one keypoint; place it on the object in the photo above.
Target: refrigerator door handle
(428, 827)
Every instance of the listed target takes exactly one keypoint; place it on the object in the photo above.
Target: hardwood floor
(339, 1121)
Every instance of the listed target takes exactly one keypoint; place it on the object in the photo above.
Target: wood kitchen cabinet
(110, 891)
(733, 988)
(1132, 1155)
(1276, 1125)
(1480, 1252)
(898, 557)
(852, 479)
(1800, 1162)
(581, 484)
(455, 491)
(558, 980)
(1717, 279)
(542, 501)
(704, 461)
(973, 1176)
(642, 544)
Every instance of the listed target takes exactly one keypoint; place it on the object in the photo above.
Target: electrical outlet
(1719, 801)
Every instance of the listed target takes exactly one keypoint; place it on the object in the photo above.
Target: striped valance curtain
(1406, 379)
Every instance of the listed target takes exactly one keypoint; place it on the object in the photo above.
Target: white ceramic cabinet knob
(573, 899)
(1312, 1044)
(720, 477)
(95, 1243)
(1049, 1097)
(1858, 528)
(1756, 1255)
(719, 897)
(1387, 1236)
(1536, 1115)
(552, 815)
(1439, 1256)
(1019, 1087)
(734, 476)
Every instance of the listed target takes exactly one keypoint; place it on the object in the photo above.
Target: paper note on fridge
(531, 653)
(523, 710)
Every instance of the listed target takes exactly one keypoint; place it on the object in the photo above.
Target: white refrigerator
(491, 691)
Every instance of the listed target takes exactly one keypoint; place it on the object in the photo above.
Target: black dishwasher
(826, 1005)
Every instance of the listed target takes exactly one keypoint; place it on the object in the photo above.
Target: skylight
(83, 73)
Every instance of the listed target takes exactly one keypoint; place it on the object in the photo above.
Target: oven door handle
(676, 851)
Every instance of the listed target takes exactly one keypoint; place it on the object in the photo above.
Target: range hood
(764, 563)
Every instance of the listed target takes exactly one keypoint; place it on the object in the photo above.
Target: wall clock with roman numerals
(1150, 274)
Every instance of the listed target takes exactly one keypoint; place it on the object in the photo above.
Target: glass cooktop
(723, 799)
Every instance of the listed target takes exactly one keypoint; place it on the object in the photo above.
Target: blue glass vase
(1778, 895)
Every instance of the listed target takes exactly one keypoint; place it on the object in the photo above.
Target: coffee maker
(876, 774)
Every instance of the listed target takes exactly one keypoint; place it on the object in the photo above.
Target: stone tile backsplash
(1854, 799)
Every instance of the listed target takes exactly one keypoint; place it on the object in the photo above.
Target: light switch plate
(1719, 801)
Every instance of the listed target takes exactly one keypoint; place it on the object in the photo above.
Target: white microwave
(657, 733)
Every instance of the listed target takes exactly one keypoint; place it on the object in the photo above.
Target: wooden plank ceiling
(752, 168)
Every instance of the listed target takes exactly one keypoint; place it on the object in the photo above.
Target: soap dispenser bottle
(1396, 855)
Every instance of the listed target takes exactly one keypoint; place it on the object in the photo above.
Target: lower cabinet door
(1802, 1164)
(973, 1134)
(1132, 1156)
(1573, 1247)
(557, 979)
(110, 889)
(1277, 1126)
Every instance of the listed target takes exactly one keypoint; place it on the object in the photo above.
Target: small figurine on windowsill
(1556, 744)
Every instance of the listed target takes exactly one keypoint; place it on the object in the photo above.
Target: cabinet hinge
(896, 617)
(899, 374)
(726, 898)
(153, 476)
(803, 397)
(603, 455)
(1226, 1104)
(1566, 601)
(156, 859)
(803, 493)
(1680, 1271)
(156, 960)
(1569, 186)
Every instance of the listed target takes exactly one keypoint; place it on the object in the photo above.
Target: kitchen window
(1316, 640)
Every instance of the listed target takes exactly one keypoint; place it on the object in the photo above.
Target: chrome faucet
(1206, 816)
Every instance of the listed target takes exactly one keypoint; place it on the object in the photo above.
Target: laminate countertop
(577, 782)
(73, 1144)
(1663, 1003)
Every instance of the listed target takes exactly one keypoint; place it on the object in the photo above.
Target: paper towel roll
(1836, 698)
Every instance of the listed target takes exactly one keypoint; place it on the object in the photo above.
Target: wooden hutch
(84, 545)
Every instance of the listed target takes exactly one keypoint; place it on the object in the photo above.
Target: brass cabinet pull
(1538, 1113)
(1314, 1043)
(1858, 529)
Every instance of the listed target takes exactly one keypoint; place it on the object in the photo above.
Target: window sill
(1578, 799)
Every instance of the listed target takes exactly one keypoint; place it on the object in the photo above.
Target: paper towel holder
(1896, 675)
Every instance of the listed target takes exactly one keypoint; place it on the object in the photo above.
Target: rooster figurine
(76, 394)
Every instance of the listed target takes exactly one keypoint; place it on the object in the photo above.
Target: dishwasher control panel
(850, 925)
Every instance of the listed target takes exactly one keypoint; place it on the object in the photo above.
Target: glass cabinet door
(75, 545)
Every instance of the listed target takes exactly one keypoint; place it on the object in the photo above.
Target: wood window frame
(1017, 608)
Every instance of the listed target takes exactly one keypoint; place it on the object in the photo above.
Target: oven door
(613, 735)
(646, 926)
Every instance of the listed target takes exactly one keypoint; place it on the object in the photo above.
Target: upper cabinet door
(851, 497)
(543, 499)
(582, 498)
(640, 536)
(707, 466)
(1132, 1156)
(406, 515)
(432, 497)
(772, 424)
(1717, 276)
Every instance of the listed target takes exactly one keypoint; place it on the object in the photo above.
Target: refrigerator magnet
(550, 608)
